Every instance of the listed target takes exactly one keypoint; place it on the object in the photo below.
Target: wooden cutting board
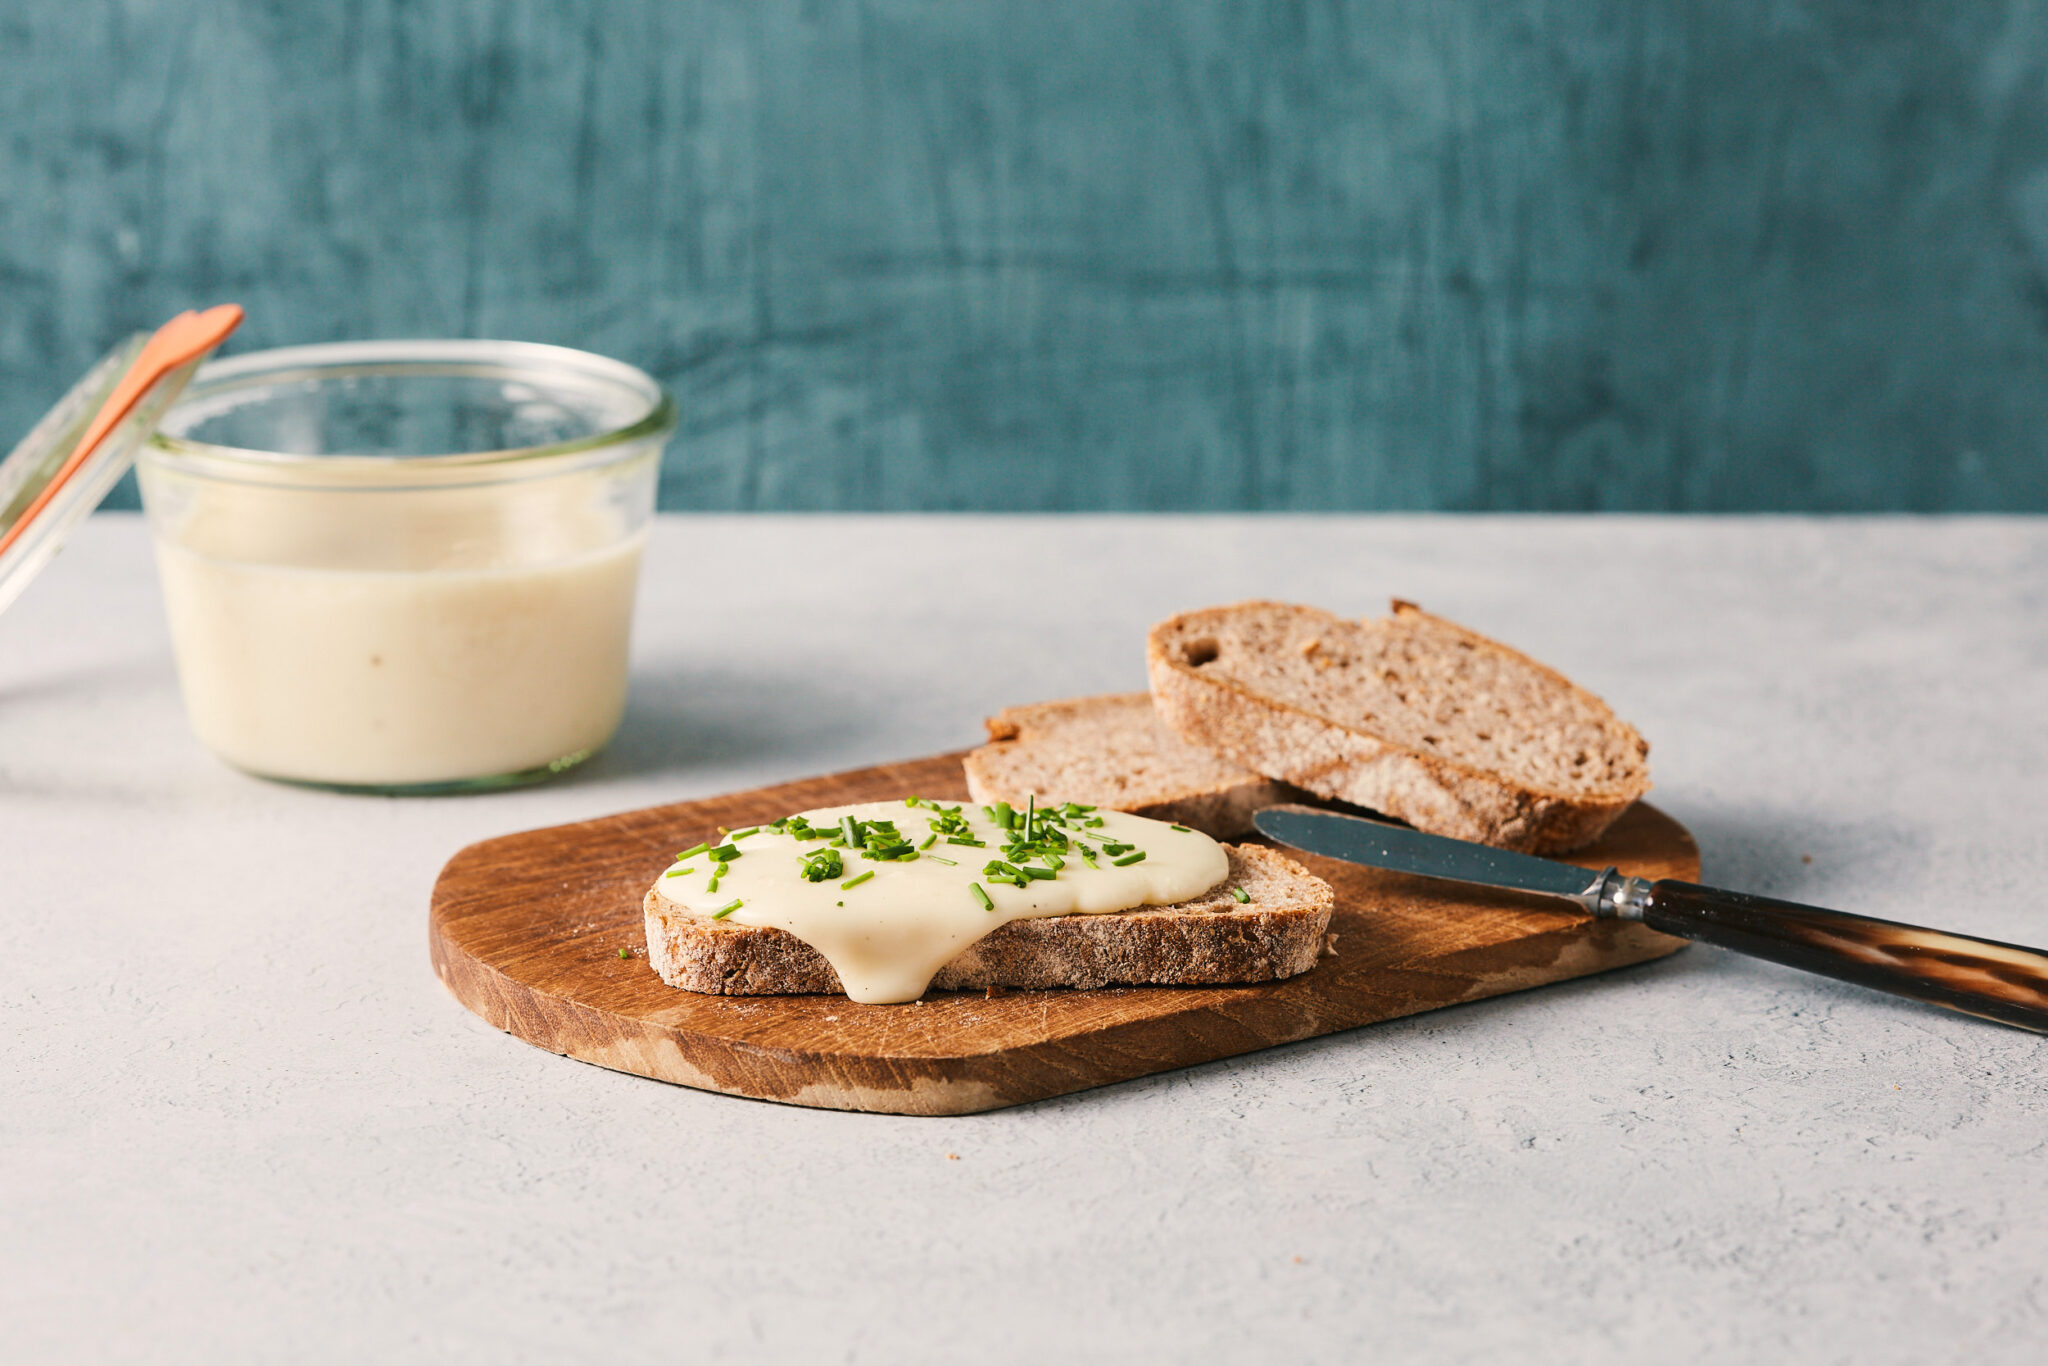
(526, 931)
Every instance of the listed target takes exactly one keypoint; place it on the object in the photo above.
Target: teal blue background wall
(1075, 254)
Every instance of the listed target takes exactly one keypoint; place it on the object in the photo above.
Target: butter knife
(2003, 982)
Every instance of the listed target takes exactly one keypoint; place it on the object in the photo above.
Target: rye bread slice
(1115, 752)
(1210, 940)
(1410, 715)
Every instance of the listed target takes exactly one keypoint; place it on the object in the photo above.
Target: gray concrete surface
(241, 1120)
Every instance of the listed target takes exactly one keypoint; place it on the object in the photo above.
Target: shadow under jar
(405, 566)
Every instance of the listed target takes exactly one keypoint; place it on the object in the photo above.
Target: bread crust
(1208, 941)
(1429, 791)
(1142, 767)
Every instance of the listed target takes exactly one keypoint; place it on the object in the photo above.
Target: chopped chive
(981, 895)
(738, 835)
(625, 953)
(1241, 895)
(692, 852)
(911, 801)
(849, 830)
(724, 853)
(723, 911)
(1039, 874)
(678, 872)
(967, 840)
(1089, 855)
(1182, 828)
(930, 840)
(936, 859)
(856, 881)
(1030, 814)
(1053, 861)
(1128, 859)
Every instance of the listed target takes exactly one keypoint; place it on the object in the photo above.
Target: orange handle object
(183, 339)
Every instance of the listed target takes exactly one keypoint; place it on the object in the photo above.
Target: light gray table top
(242, 1120)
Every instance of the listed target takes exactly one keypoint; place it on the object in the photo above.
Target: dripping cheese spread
(890, 892)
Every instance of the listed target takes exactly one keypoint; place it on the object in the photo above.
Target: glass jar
(407, 565)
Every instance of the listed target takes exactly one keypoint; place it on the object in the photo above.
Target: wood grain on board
(526, 930)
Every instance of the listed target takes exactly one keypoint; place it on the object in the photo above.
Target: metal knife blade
(1399, 849)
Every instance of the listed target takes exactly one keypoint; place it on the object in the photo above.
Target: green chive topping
(856, 880)
(724, 853)
(1241, 895)
(625, 953)
(981, 895)
(929, 841)
(1182, 828)
(1001, 814)
(742, 834)
(1128, 859)
(691, 853)
(723, 911)
(678, 872)
(849, 830)
(1030, 814)
(936, 859)
(821, 865)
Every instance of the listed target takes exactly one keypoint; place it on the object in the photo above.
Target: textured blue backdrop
(1096, 254)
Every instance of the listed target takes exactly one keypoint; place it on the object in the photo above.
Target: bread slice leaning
(1115, 752)
(1410, 715)
(1210, 940)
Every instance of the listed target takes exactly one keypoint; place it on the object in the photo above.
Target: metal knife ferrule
(1614, 897)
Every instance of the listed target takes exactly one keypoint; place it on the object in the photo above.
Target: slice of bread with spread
(1409, 715)
(1210, 940)
(1115, 752)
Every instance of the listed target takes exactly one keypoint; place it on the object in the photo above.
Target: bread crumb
(952, 1157)
(1806, 858)
(1311, 645)
(1330, 943)
(1297, 1261)
(995, 991)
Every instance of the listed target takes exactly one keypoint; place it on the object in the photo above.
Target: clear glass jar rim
(426, 357)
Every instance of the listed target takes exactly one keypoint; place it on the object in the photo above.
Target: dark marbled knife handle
(2003, 982)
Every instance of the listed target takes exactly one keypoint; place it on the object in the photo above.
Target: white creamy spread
(890, 892)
